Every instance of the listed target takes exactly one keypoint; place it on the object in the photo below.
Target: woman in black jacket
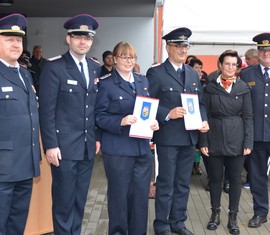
(229, 110)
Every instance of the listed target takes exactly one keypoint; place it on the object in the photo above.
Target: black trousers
(234, 169)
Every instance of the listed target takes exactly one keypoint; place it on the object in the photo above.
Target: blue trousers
(14, 206)
(128, 189)
(172, 186)
(259, 178)
(70, 186)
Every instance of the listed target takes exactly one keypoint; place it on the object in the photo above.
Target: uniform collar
(9, 65)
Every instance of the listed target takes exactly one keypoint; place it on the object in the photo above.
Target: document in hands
(145, 110)
(192, 118)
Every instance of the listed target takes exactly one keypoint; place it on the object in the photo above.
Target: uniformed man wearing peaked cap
(19, 129)
(81, 25)
(68, 88)
(258, 78)
(175, 144)
(180, 35)
(13, 25)
(263, 41)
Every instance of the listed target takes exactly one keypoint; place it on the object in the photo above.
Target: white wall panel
(50, 34)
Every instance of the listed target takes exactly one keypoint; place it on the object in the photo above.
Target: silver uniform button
(7, 96)
(57, 131)
(70, 90)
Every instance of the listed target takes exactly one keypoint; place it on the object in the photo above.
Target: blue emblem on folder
(145, 110)
(190, 105)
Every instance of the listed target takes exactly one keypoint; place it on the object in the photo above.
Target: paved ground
(96, 218)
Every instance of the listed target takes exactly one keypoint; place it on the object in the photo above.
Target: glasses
(230, 65)
(180, 46)
(81, 37)
(127, 58)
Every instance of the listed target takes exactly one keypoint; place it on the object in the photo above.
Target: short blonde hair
(124, 48)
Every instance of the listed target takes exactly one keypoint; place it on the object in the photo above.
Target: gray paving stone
(96, 217)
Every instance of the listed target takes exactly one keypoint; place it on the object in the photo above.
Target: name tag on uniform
(251, 83)
(72, 82)
(7, 89)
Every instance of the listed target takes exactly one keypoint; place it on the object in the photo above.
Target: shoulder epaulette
(21, 66)
(155, 65)
(94, 60)
(55, 58)
(140, 74)
(105, 76)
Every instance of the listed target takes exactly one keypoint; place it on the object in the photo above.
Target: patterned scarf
(227, 81)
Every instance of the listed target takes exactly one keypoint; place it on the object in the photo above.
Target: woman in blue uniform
(127, 160)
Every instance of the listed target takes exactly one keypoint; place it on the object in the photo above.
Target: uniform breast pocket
(193, 90)
(8, 96)
(120, 104)
(10, 105)
(69, 94)
(171, 95)
(70, 89)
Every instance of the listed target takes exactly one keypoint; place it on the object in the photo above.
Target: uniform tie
(266, 74)
(83, 74)
(180, 75)
(16, 71)
(132, 86)
(179, 71)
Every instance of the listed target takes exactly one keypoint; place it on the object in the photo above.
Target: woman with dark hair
(230, 139)
(189, 58)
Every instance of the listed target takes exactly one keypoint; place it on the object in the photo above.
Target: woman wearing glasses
(127, 160)
(230, 117)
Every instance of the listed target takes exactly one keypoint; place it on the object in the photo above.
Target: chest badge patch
(7, 89)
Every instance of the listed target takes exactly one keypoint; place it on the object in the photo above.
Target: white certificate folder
(145, 110)
(192, 118)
